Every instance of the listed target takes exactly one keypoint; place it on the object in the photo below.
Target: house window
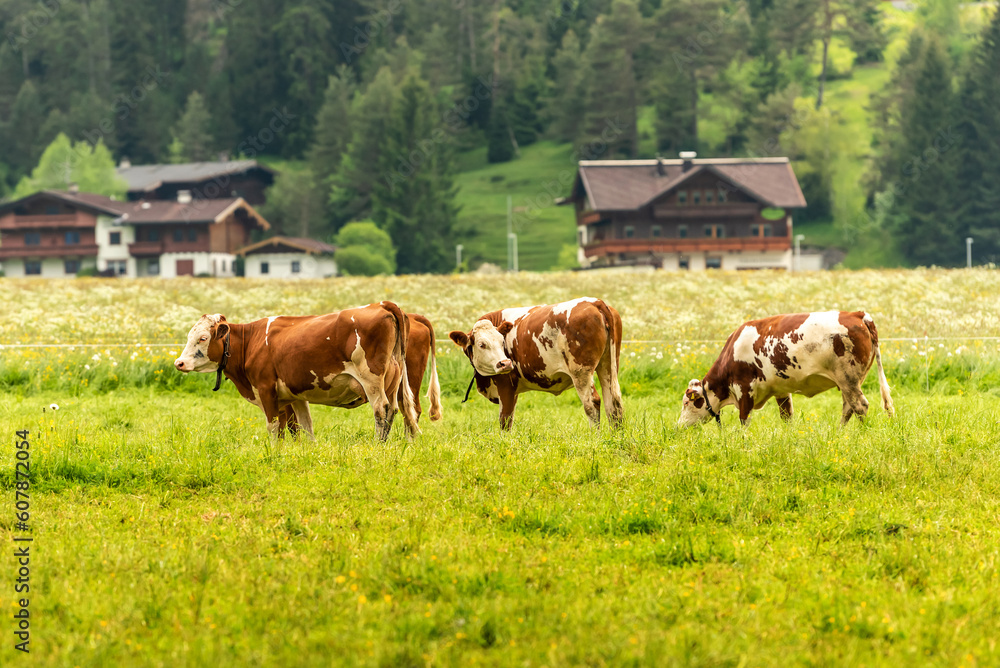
(656, 231)
(755, 230)
(682, 231)
(708, 231)
(178, 235)
(682, 196)
(71, 266)
(32, 238)
(52, 210)
(223, 266)
(265, 268)
(192, 234)
(760, 230)
(722, 196)
(629, 231)
(153, 234)
(33, 268)
(153, 268)
(115, 238)
(767, 229)
(696, 196)
(720, 231)
(72, 238)
(117, 267)
(684, 263)
(713, 262)
(296, 266)
(708, 197)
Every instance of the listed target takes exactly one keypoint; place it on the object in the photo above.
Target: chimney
(661, 169)
(124, 163)
(688, 158)
(183, 196)
(74, 187)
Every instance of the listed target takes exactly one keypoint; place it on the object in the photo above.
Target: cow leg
(300, 412)
(855, 403)
(287, 419)
(414, 374)
(584, 385)
(611, 390)
(785, 407)
(508, 401)
(272, 412)
(383, 412)
(745, 405)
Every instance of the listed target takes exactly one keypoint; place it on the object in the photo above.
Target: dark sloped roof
(168, 211)
(626, 185)
(288, 245)
(96, 204)
(149, 177)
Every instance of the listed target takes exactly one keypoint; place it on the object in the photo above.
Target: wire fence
(905, 339)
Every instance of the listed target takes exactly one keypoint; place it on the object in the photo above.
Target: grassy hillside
(543, 172)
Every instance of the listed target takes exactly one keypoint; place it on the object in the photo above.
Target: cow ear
(222, 318)
(461, 339)
(505, 328)
(221, 330)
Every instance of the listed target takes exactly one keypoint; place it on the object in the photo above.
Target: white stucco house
(288, 257)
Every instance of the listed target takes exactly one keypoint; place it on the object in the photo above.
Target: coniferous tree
(977, 200)
(565, 104)
(352, 184)
(414, 198)
(192, 131)
(612, 96)
(331, 136)
(926, 232)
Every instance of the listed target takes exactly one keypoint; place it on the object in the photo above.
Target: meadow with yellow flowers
(169, 530)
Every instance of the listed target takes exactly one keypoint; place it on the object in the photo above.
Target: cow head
(694, 409)
(485, 348)
(204, 343)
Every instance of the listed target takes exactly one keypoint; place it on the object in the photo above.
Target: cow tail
(434, 385)
(883, 384)
(399, 354)
(612, 350)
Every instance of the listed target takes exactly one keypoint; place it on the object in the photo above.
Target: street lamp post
(458, 258)
(968, 252)
(797, 261)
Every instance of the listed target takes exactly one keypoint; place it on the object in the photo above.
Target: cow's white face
(694, 409)
(208, 329)
(485, 348)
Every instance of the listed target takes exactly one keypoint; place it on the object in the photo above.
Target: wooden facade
(643, 213)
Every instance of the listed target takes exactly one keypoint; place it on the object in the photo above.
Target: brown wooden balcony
(40, 222)
(76, 250)
(602, 247)
(145, 248)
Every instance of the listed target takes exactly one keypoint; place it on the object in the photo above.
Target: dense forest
(366, 105)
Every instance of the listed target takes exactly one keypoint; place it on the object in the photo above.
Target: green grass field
(169, 530)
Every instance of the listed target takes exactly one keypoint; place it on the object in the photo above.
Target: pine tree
(332, 132)
(927, 233)
(414, 198)
(352, 183)
(978, 145)
(565, 104)
(192, 131)
(612, 96)
(23, 129)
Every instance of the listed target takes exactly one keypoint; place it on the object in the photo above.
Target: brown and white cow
(548, 348)
(345, 359)
(420, 347)
(804, 353)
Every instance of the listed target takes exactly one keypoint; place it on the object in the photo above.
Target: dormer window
(696, 197)
(682, 196)
(708, 197)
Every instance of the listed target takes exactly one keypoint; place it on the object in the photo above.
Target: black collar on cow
(469, 389)
(222, 363)
(708, 405)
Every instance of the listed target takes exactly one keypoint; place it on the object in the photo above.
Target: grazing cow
(344, 359)
(420, 346)
(804, 353)
(549, 348)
